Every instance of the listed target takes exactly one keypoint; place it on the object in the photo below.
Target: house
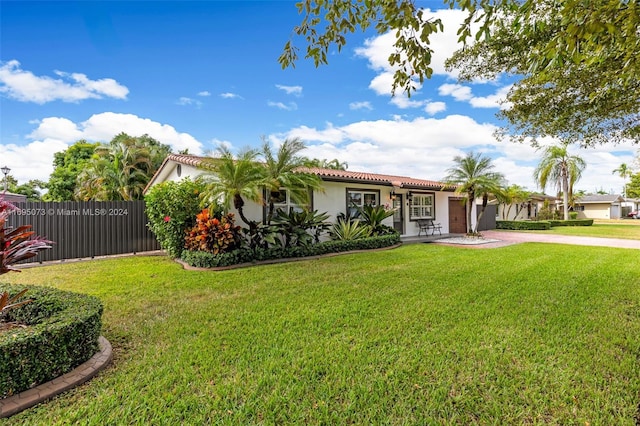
(527, 210)
(412, 198)
(599, 206)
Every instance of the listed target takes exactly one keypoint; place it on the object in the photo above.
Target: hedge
(521, 225)
(573, 222)
(62, 332)
(207, 260)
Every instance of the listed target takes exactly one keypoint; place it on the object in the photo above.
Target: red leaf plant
(213, 235)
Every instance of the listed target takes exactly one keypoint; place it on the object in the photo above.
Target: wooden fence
(87, 229)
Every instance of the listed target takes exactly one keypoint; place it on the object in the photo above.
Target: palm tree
(281, 173)
(624, 172)
(474, 177)
(510, 195)
(334, 164)
(562, 169)
(231, 179)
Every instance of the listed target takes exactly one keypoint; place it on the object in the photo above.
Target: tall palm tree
(561, 168)
(231, 179)
(624, 172)
(281, 173)
(474, 176)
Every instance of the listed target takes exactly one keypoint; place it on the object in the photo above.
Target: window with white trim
(360, 198)
(422, 206)
(282, 200)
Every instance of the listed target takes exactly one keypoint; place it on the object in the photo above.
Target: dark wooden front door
(457, 216)
(398, 214)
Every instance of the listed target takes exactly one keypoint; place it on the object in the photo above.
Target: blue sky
(195, 74)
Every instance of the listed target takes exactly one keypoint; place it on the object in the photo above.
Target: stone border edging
(188, 267)
(85, 371)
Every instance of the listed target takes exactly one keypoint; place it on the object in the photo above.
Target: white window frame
(287, 205)
(423, 206)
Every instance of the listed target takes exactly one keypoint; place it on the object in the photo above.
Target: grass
(423, 334)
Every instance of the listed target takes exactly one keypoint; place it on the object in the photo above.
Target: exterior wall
(595, 211)
(333, 199)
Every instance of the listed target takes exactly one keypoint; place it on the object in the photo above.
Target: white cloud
(425, 148)
(55, 134)
(24, 86)
(189, 101)
(204, 93)
(229, 95)
(432, 108)
(291, 106)
(457, 91)
(464, 94)
(360, 105)
(290, 90)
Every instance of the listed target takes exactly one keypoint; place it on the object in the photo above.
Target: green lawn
(630, 231)
(422, 334)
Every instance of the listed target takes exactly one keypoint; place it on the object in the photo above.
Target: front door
(398, 215)
(457, 216)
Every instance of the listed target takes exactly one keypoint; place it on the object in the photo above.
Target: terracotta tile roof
(339, 175)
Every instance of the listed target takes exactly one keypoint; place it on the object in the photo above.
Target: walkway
(510, 237)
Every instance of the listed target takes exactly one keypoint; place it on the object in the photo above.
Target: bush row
(62, 333)
(540, 224)
(573, 222)
(207, 260)
(521, 225)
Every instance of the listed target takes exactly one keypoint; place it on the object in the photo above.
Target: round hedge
(62, 332)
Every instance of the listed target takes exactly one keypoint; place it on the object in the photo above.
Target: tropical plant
(334, 164)
(172, 208)
(16, 244)
(212, 234)
(68, 164)
(281, 173)
(230, 179)
(557, 166)
(8, 302)
(260, 236)
(301, 228)
(349, 230)
(624, 172)
(121, 169)
(474, 176)
(373, 218)
(509, 196)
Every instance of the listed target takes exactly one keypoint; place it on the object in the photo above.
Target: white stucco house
(599, 206)
(412, 198)
(527, 210)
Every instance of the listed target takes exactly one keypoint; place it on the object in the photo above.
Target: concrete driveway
(509, 237)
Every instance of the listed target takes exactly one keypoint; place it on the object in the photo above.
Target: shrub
(373, 217)
(577, 222)
(62, 332)
(212, 234)
(516, 225)
(301, 228)
(16, 244)
(172, 208)
(573, 215)
(245, 255)
(349, 230)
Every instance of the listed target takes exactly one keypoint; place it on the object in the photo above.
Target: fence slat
(86, 229)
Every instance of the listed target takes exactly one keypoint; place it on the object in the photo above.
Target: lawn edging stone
(16, 403)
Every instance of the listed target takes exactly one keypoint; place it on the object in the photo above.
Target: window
(578, 208)
(360, 198)
(282, 200)
(422, 206)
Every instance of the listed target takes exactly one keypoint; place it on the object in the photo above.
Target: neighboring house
(13, 198)
(413, 198)
(630, 205)
(527, 210)
(599, 206)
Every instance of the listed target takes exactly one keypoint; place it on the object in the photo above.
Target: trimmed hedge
(522, 225)
(62, 333)
(573, 222)
(202, 259)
